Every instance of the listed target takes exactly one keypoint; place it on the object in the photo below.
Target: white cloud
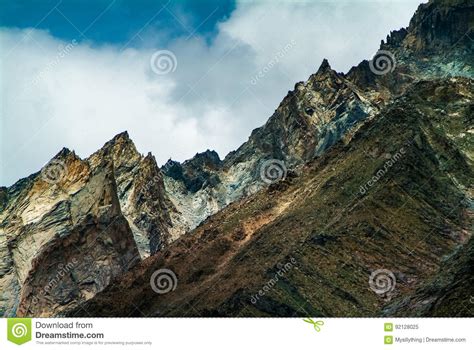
(57, 94)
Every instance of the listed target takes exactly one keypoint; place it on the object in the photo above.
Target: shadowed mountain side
(351, 175)
(327, 108)
(449, 293)
(337, 222)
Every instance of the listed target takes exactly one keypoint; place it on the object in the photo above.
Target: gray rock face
(436, 44)
(96, 218)
(35, 213)
(94, 246)
(441, 24)
(99, 216)
(141, 193)
(313, 117)
(222, 265)
(327, 108)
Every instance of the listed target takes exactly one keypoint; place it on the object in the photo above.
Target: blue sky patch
(117, 21)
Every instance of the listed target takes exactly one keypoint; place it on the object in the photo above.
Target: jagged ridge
(157, 206)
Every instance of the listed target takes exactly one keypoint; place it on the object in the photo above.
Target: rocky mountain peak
(395, 38)
(120, 141)
(171, 167)
(325, 73)
(197, 172)
(320, 137)
(66, 162)
(120, 148)
(169, 163)
(209, 159)
(65, 170)
(324, 67)
(63, 153)
(362, 75)
(436, 44)
(437, 25)
(122, 138)
(150, 159)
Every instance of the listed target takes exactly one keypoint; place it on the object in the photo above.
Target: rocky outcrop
(33, 216)
(197, 173)
(84, 236)
(393, 202)
(141, 193)
(93, 246)
(95, 217)
(327, 108)
(311, 118)
(440, 25)
(450, 292)
(437, 43)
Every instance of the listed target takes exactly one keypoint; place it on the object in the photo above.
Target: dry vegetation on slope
(406, 222)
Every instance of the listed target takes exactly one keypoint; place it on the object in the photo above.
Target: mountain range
(354, 199)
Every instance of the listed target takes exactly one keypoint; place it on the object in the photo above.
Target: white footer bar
(237, 333)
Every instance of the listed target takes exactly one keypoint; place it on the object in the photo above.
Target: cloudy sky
(181, 76)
